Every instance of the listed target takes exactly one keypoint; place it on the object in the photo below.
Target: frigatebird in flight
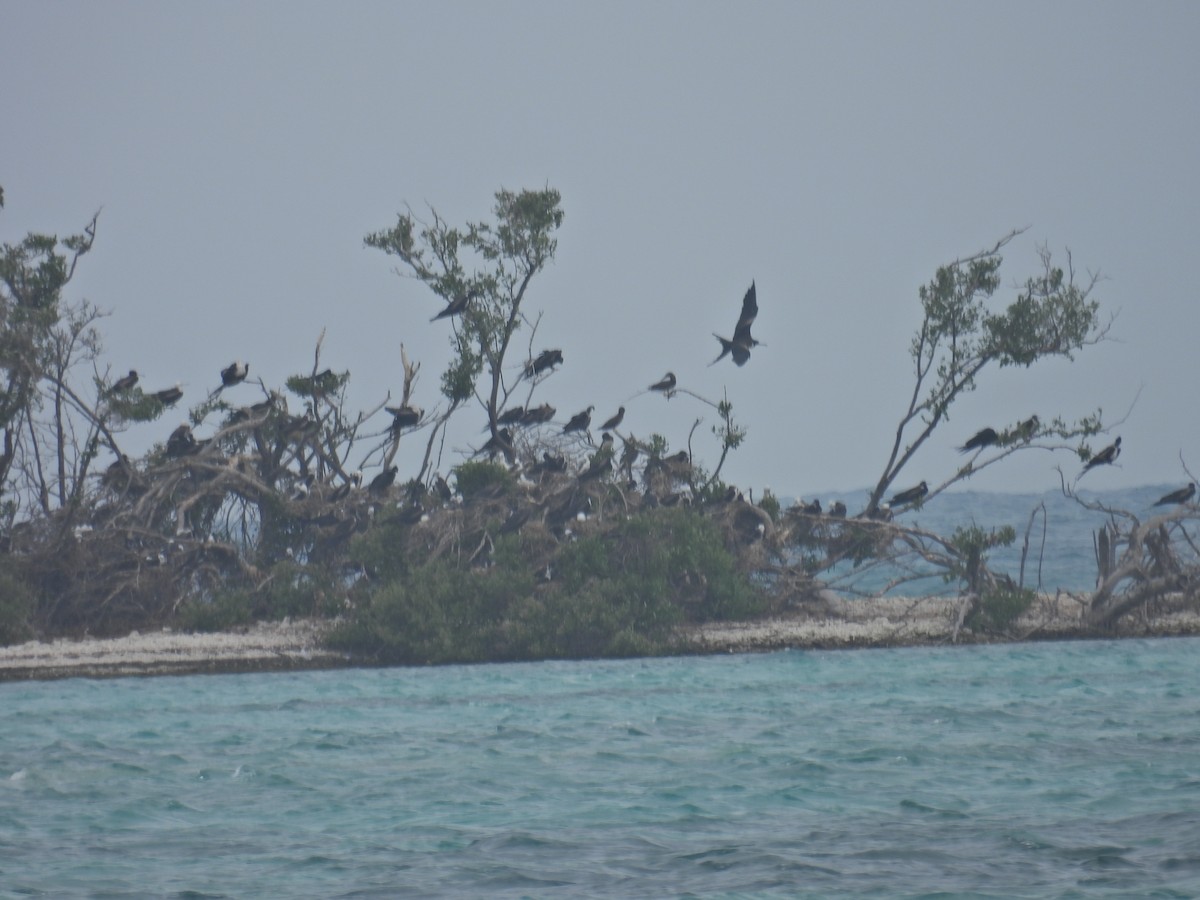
(1105, 457)
(985, 438)
(742, 342)
(1183, 495)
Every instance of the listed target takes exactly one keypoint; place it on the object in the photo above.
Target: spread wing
(741, 334)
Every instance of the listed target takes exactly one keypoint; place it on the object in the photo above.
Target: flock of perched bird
(739, 348)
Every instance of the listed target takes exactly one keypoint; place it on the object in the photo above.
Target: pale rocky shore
(839, 623)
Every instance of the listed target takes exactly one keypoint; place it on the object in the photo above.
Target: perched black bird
(985, 438)
(500, 442)
(1183, 495)
(629, 456)
(813, 509)
(441, 487)
(665, 385)
(124, 384)
(1105, 457)
(234, 373)
(1029, 427)
(456, 306)
(614, 421)
(742, 342)
(380, 483)
(580, 421)
(405, 416)
(510, 416)
(547, 359)
(912, 495)
(552, 462)
(168, 396)
(837, 509)
(539, 415)
(342, 491)
(301, 428)
(181, 442)
(601, 461)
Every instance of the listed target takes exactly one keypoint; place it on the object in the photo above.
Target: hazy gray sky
(836, 153)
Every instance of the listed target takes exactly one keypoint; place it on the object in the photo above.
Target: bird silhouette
(613, 422)
(1183, 495)
(665, 385)
(539, 415)
(168, 396)
(404, 416)
(1105, 457)
(739, 347)
(580, 421)
(985, 438)
(912, 495)
(457, 306)
(1029, 427)
(234, 373)
(547, 359)
(124, 384)
(380, 483)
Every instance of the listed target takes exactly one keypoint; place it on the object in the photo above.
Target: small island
(274, 528)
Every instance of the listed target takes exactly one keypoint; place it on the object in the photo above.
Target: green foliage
(17, 604)
(618, 592)
(290, 590)
(971, 544)
(510, 251)
(770, 504)
(479, 478)
(959, 337)
(323, 384)
(999, 607)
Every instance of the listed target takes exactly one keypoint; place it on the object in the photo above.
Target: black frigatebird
(1183, 495)
(168, 396)
(456, 306)
(124, 384)
(380, 483)
(665, 385)
(580, 421)
(234, 373)
(547, 359)
(539, 415)
(405, 416)
(510, 416)
(1105, 457)
(181, 441)
(742, 342)
(985, 438)
(614, 421)
(912, 495)
(500, 442)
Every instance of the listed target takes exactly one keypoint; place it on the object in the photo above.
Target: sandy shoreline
(296, 644)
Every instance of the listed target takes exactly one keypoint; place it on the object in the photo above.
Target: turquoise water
(1047, 770)
(1060, 555)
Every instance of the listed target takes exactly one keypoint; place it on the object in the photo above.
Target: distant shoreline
(295, 645)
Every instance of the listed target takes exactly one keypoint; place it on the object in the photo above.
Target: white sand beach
(841, 623)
